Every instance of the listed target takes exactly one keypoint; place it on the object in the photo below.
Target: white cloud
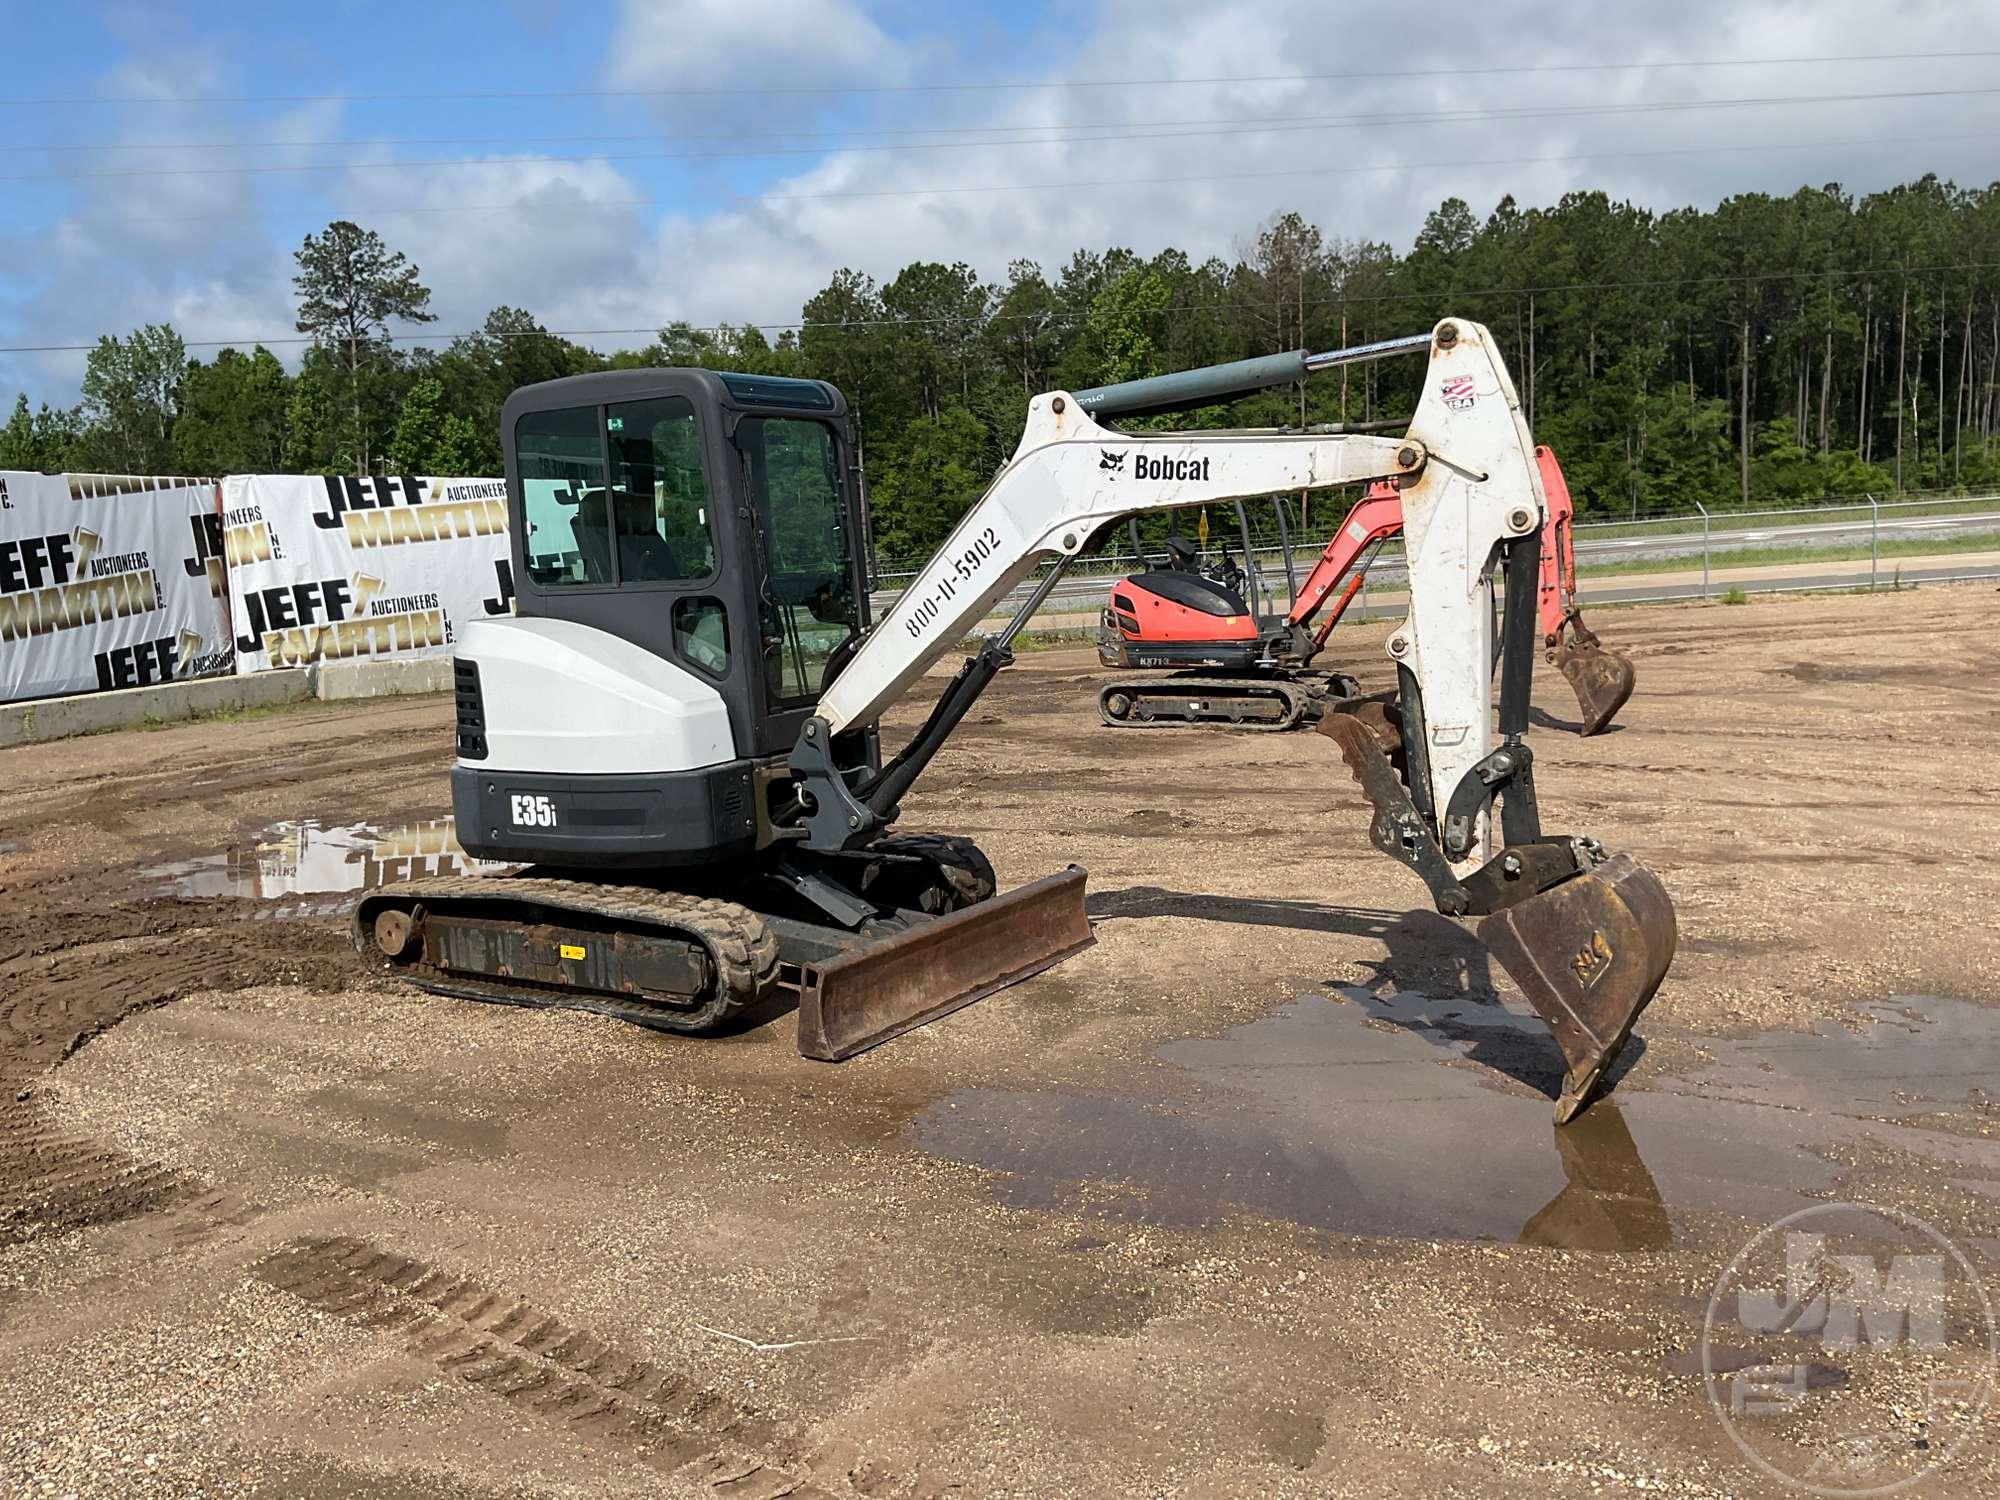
(1234, 179)
(701, 46)
(573, 242)
(557, 237)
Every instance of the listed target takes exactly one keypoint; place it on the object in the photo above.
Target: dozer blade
(1588, 954)
(1602, 680)
(850, 1003)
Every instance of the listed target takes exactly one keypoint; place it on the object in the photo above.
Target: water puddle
(1391, 1114)
(307, 858)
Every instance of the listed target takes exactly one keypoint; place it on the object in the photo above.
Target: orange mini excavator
(1226, 666)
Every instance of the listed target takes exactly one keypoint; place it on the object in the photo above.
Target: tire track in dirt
(56, 999)
(83, 945)
(52, 1179)
(52, 791)
(506, 1346)
(216, 792)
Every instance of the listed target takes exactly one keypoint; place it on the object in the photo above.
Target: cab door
(810, 605)
(624, 530)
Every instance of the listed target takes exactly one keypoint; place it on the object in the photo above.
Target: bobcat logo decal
(1113, 463)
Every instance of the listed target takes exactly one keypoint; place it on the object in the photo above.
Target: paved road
(1084, 591)
(1813, 534)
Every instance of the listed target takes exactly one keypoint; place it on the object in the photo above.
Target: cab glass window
(658, 505)
(562, 465)
(701, 633)
(807, 613)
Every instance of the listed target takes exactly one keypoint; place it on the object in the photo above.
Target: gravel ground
(1258, 1195)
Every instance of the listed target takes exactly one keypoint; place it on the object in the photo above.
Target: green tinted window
(809, 607)
(562, 465)
(777, 390)
(701, 633)
(659, 494)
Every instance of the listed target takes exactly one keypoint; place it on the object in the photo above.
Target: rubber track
(1297, 699)
(506, 1346)
(743, 949)
(958, 861)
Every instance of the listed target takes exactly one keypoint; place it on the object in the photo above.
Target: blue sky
(156, 152)
(278, 57)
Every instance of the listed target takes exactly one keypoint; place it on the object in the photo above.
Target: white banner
(335, 569)
(108, 581)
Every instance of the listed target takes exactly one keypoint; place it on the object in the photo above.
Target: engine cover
(566, 698)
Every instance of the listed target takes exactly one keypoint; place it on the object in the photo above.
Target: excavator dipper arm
(1602, 679)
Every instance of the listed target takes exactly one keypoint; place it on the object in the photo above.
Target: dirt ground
(1260, 1195)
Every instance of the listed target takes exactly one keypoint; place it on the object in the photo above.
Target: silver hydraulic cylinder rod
(1212, 383)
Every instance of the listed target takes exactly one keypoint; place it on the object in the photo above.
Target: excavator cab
(690, 580)
(711, 524)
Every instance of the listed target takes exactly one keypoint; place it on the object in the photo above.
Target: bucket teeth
(1588, 954)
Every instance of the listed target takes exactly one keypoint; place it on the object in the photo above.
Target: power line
(1418, 166)
(1153, 130)
(1350, 299)
(571, 139)
(957, 189)
(1001, 86)
(822, 137)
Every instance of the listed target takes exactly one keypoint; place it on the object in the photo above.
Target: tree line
(1772, 349)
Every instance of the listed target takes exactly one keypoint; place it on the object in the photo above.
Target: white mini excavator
(678, 731)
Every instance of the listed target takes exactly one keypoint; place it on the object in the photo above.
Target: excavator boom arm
(1066, 480)
(1376, 515)
(1588, 938)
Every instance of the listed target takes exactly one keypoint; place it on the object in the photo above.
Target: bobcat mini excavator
(1228, 666)
(679, 731)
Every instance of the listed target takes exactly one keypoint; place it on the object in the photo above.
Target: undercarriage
(691, 950)
(1246, 700)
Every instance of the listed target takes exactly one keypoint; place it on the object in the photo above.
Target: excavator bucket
(1588, 954)
(1602, 680)
(872, 993)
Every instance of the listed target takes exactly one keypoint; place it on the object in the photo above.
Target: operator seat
(643, 554)
(591, 527)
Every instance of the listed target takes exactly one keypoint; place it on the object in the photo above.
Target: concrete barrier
(131, 708)
(337, 680)
(128, 708)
